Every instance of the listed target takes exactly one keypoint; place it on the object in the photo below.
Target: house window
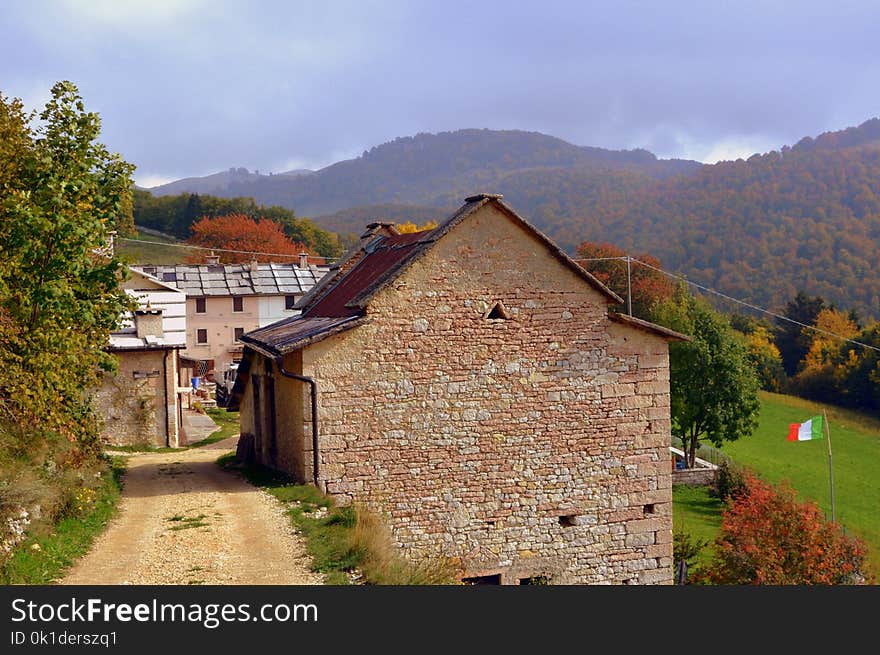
(201, 336)
(238, 333)
(200, 306)
(238, 304)
(498, 312)
(289, 302)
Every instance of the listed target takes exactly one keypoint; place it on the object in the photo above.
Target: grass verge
(43, 558)
(344, 540)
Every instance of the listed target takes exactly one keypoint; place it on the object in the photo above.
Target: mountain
(214, 184)
(806, 217)
(428, 169)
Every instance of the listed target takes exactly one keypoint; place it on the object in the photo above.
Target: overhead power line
(240, 252)
(751, 306)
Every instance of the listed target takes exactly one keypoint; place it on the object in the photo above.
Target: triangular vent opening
(498, 312)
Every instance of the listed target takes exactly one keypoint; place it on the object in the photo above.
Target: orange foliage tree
(648, 286)
(409, 227)
(240, 232)
(769, 537)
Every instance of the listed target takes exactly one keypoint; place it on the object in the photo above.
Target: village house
(140, 404)
(226, 300)
(470, 384)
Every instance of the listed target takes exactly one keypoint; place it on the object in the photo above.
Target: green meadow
(855, 440)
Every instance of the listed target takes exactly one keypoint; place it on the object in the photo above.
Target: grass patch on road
(343, 540)
(229, 427)
(43, 558)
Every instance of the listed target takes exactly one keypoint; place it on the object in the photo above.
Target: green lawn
(697, 514)
(148, 253)
(856, 446)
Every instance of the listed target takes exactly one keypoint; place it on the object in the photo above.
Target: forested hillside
(436, 170)
(803, 218)
(806, 217)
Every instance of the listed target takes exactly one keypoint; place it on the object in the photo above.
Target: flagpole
(830, 464)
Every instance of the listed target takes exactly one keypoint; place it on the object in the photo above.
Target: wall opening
(483, 579)
(535, 580)
(498, 312)
(567, 520)
(649, 508)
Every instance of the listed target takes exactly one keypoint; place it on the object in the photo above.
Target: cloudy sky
(190, 87)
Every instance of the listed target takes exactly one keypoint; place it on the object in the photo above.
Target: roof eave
(640, 324)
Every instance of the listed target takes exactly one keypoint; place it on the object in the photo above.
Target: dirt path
(184, 520)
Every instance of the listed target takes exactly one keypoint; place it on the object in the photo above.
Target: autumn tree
(713, 386)
(409, 227)
(822, 369)
(61, 194)
(769, 537)
(791, 339)
(606, 262)
(245, 234)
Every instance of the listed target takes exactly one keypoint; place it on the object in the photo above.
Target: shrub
(769, 537)
(729, 481)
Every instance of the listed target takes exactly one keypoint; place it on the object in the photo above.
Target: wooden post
(629, 305)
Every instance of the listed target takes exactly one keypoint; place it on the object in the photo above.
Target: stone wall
(132, 403)
(703, 477)
(536, 445)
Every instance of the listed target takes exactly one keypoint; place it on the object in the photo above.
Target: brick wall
(531, 446)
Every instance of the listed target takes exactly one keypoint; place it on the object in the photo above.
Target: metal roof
(236, 279)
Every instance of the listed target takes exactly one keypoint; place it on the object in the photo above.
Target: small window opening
(201, 336)
(567, 520)
(492, 523)
(535, 580)
(238, 332)
(289, 302)
(483, 579)
(200, 306)
(237, 304)
(498, 312)
(649, 508)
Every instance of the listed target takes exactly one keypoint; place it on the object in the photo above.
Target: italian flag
(805, 431)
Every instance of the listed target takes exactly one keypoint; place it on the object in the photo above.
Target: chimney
(148, 322)
(379, 227)
(255, 267)
(304, 260)
(212, 259)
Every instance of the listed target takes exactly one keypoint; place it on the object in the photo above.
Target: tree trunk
(692, 452)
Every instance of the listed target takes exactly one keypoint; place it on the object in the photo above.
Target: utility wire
(732, 299)
(240, 252)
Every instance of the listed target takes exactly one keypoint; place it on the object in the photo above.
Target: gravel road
(184, 520)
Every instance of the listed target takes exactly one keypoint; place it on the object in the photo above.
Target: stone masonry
(535, 445)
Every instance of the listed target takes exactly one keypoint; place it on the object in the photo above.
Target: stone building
(226, 300)
(469, 383)
(140, 404)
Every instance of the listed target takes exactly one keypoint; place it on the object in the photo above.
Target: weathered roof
(345, 294)
(236, 279)
(293, 333)
(640, 324)
(381, 255)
